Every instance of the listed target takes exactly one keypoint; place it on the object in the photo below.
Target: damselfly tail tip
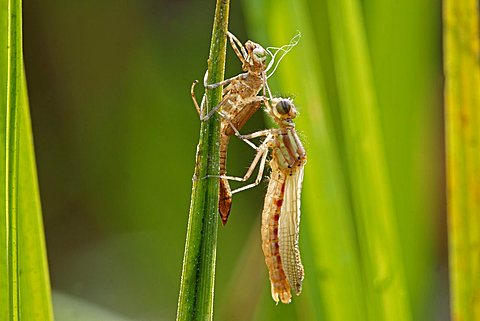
(224, 201)
(285, 297)
(275, 296)
(224, 217)
(224, 213)
(279, 295)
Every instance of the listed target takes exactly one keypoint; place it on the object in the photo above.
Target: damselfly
(240, 101)
(281, 211)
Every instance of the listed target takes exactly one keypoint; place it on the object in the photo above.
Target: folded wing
(288, 230)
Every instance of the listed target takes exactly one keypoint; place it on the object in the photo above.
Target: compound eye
(284, 106)
(260, 54)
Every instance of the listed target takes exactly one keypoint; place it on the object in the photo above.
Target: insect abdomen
(270, 243)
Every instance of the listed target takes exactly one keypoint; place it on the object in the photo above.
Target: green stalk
(14, 81)
(24, 285)
(462, 97)
(195, 300)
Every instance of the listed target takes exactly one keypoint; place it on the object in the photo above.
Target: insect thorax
(288, 150)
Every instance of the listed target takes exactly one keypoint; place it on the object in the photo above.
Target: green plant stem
(14, 82)
(462, 97)
(198, 274)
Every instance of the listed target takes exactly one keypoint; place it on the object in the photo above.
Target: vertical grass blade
(198, 274)
(4, 280)
(9, 113)
(24, 285)
(407, 83)
(333, 273)
(462, 98)
(371, 192)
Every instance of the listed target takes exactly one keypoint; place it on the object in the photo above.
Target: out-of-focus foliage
(396, 252)
(116, 132)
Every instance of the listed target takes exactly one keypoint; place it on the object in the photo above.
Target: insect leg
(234, 42)
(226, 117)
(259, 175)
(260, 133)
(202, 104)
(225, 194)
(266, 88)
(261, 154)
(214, 109)
(237, 133)
(192, 92)
(241, 76)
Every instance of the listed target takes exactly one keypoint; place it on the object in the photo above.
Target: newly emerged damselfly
(281, 211)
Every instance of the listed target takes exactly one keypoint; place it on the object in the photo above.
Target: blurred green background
(115, 135)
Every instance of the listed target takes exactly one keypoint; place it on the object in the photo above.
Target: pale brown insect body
(281, 214)
(281, 211)
(240, 102)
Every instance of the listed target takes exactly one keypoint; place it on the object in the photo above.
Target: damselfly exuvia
(281, 211)
(240, 101)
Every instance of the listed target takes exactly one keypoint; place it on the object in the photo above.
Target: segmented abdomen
(238, 114)
(225, 194)
(289, 158)
(270, 243)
